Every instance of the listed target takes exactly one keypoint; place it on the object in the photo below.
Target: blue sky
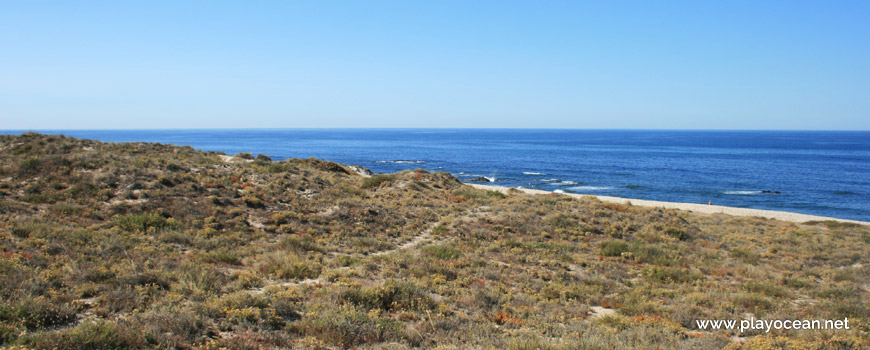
(535, 64)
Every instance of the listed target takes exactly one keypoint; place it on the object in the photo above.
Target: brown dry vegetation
(111, 246)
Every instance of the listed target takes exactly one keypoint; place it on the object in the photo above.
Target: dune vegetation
(137, 245)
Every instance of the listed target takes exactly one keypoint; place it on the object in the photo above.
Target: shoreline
(690, 207)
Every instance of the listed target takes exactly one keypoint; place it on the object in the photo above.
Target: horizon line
(418, 128)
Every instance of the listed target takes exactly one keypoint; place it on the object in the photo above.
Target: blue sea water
(815, 172)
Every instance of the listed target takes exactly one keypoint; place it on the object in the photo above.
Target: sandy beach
(691, 207)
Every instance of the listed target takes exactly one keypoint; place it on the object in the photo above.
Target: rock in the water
(480, 179)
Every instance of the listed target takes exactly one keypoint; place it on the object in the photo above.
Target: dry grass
(154, 246)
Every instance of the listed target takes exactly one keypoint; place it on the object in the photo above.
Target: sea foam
(401, 161)
(745, 193)
(590, 188)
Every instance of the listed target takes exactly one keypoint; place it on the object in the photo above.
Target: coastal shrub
(24, 230)
(746, 255)
(213, 272)
(391, 296)
(348, 326)
(766, 288)
(143, 222)
(38, 198)
(82, 189)
(220, 257)
(169, 328)
(281, 167)
(197, 281)
(253, 202)
(562, 221)
(469, 193)
(754, 302)
(245, 155)
(442, 252)
(287, 266)
(677, 233)
(795, 283)
(496, 194)
(318, 164)
(670, 274)
(66, 209)
(263, 158)
(123, 298)
(145, 278)
(651, 254)
(838, 292)
(29, 166)
(8, 333)
(36, 313)
(377, 180)
(88, 336)
(833, 224)
(301, 244)
(614, 248)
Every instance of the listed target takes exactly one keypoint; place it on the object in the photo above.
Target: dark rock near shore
(480, 179)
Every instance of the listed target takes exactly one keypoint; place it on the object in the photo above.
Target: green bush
(29, 166)
(24, 230)
(288, 266)
(348, 326)
(220, 257)
(441, 252)
(375, 181)
(245, 155)
(496, 194)
(99, 335)
(614, 248)
(36, 313)
(746, 255)
(253, 202)
(281, 167)
(767, 288)
(142, 222)
(677, 233)
(8, 333)
(670, 274)
(391, 296)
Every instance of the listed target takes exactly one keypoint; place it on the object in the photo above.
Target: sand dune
(692, 207)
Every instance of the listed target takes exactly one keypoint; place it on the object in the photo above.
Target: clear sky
(464, 64)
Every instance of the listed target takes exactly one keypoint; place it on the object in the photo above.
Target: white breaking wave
(548, 180)
(532, 173)
(558, 191)
(401, 161)
(590, 188)
(566, 183)
(742, 192)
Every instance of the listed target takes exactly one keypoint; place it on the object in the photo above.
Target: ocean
(823, 173)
